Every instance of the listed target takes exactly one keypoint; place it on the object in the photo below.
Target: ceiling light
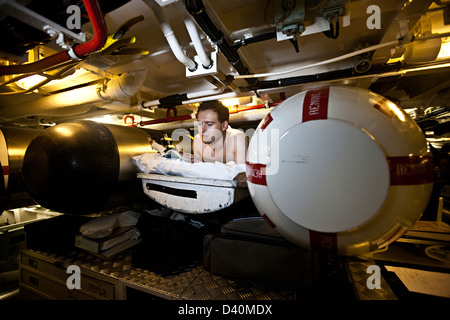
(31, 81)
(445, 49)
(230, 102)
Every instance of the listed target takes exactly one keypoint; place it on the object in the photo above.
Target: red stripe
(5, 170)
(411, 170)
(383, 107)
(267, 119)
(269, 222)
(322, 241)
(315, 105)
(256, 173)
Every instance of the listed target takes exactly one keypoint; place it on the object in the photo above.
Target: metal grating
(189, 282)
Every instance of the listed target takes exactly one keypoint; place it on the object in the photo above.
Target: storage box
(54, 235)
(250, 249)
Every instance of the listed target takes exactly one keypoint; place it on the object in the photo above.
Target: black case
(251, 249)
(54, 235)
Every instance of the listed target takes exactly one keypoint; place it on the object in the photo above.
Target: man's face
(210, 127)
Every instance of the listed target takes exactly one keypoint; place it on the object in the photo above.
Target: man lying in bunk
(216, 141)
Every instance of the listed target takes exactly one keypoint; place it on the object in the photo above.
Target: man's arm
(240, 146)
(197, 146)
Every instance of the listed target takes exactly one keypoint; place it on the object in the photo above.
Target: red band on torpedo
(384, 107)
(256, 173)
(5, 170)
(315, 105)
(322, 241)
(267, 119)
(269, 222)
(411, 170)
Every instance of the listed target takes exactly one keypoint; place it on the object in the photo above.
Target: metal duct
(120, 88)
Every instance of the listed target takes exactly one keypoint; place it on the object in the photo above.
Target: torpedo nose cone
(72, 167)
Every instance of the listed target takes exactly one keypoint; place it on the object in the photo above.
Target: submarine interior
(344, 187)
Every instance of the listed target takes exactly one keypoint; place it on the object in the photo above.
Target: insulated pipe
(192, 29)
(122, 87)
(210, 98)
(45, 105)
(173, 124)
(198, 11)
(193, 33)
(179, 98)
(76, 52)
(170, 35)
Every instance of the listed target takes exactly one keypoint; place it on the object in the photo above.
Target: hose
(340, 58)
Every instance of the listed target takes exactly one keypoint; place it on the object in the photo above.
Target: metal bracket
(201, 70)
(289, 16)
(59, 36)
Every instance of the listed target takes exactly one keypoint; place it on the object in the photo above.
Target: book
(118, 236)
(116, 250)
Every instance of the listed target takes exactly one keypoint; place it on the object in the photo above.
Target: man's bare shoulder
(235, 132)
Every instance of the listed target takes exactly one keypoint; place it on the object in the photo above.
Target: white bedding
(157, 164)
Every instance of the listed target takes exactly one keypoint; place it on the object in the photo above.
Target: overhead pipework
(169, 34)
(76, 52)
(197, 9)
(205, 60)
(200, 65)
(119, 88)
(124, 86)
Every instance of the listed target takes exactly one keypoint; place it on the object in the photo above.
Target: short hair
(223, 114)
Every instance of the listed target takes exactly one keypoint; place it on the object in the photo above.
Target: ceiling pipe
(177, 99)
(166, 120)
(175, 123)
(321, 63)
(198, 12)
(76, 52)
(48, 104)
(214, 97)
(125, 86)
(206, 62)
(219, 80)
(119, 88)
(170, 35)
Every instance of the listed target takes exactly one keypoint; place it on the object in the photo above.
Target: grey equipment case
(250, 249)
